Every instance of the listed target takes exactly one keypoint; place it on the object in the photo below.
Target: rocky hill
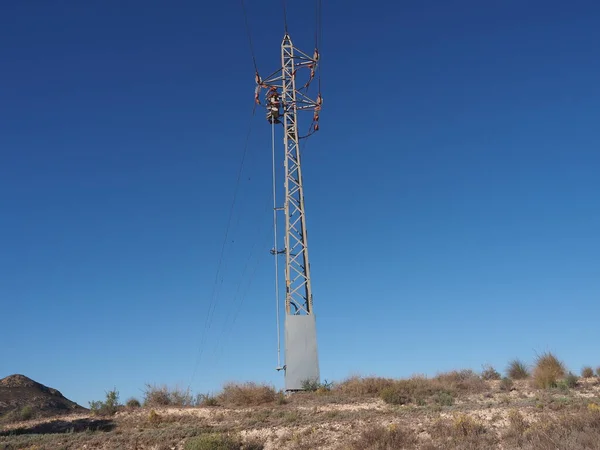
(20, 395)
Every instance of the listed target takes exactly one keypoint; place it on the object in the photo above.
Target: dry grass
(486, 416)
(547, 371)
(440, 390)
(155, 396)
(358, 386)
(463, 381)
(219, 441)
(378, 437)
(587, 372)
(462, 432)
(246, 394)
(578, 430)
(517, 370)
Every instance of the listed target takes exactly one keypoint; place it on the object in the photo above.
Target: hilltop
(23, 398)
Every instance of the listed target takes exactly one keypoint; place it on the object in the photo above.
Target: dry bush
(378, 437)
(598, 371)
(359, 386)
(463, 381)
(247, 394)
(517, 426)
(547, 371)
(587, 372)
(462, 432)
(419, 390)
(517, 370)
(206, 400)
(489, 373)
(216, 441)
(163, 396)
(579, 430)
(133, 403)
(507, 384)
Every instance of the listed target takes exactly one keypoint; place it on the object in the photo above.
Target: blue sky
(452, 193)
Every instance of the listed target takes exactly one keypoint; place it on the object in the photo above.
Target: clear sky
(452, 194)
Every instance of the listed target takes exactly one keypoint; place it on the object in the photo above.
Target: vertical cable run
(275, 252)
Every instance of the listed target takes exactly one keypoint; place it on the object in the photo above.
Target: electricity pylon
(284, 101)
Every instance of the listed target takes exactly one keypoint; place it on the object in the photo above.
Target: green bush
(517, 370)
(443, 398)
(206, 400)
(109, 407)
(133, 403)
(26, 413)
(398, 394)
(571, 380)
(316, 385)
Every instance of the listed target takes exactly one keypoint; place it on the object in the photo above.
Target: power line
(214, 297)
(249, 35)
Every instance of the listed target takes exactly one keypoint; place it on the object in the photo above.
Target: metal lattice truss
(298, 298)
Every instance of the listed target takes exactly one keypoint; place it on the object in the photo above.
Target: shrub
(516, 423)
(465, 425)
(489, 373)
(571, 380)
(462, 432)
(598, 371)
(465, 381)
(215, 441)
(315, 385)
(506, 384)
(398, 394)
(359, 386)
(247, 394)
(154, 418)
(26, 413)
(418, 390)
(281, 400)
(587, 372)
(379, 437)
(517, 370)
(443, 398)
(133, 403)
(547, 371)
(206, 400)
(109, 407)
(163, 396)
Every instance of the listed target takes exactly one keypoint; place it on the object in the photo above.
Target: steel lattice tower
(285, 100)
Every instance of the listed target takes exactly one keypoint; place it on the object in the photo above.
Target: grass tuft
(547, 371)
(517, 370)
